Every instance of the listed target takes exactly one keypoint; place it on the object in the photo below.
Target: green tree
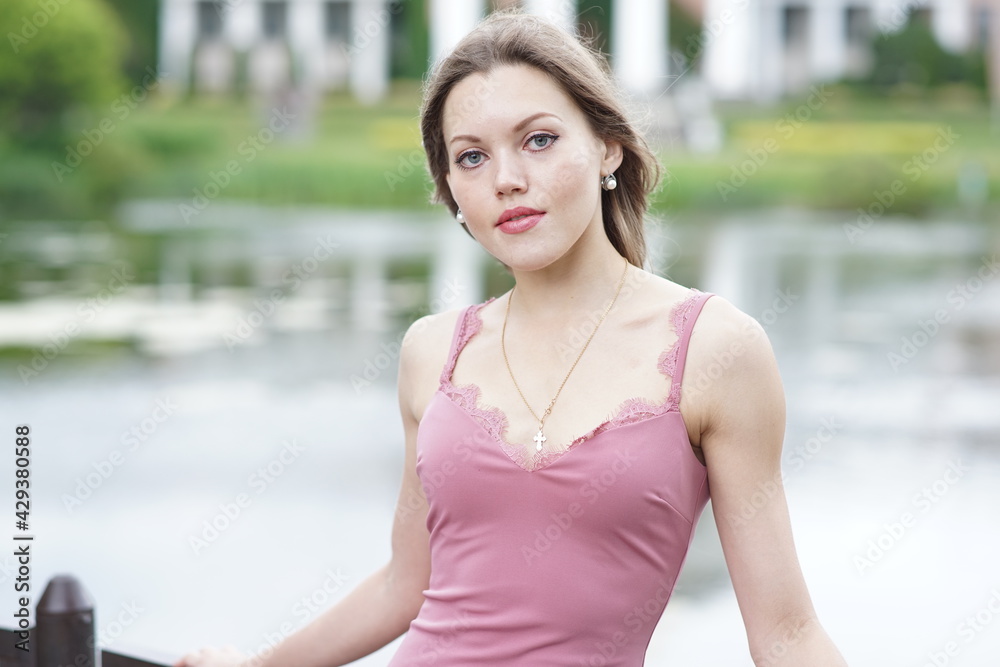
(594, 20)
(410, 37)
(913, 56)
(141, 19)
(59, 56)
(685, 35)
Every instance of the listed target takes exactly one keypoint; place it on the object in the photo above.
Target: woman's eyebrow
(517, 128)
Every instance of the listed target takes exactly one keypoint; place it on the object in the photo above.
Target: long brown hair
(510, 37)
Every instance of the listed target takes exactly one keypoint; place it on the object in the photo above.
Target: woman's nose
(510, 175)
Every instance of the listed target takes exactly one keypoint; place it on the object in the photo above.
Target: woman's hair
(510, 37)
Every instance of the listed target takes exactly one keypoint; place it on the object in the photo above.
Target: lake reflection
(231, 480)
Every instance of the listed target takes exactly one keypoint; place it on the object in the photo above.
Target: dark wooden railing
(64, 634)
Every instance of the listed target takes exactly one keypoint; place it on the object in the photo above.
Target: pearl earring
(609, 182)
(459, 217)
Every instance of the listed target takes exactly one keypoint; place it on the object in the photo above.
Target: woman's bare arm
(381, 607)
(742, 425)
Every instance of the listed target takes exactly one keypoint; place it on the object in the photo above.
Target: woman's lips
(520, 224)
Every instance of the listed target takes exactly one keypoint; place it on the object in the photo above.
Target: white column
(369, 50)
(178, 28)
(828, 40)
(305, 32)
(890, 15)
(952, 20)
(728, 266)
(450, 22)
(639, 44)
(457, 276)
(769, 81)
(561, 12)
(241, 24)
(369, 301)
(730, 46)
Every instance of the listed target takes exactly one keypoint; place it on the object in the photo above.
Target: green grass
(357, 156)
(841, 155)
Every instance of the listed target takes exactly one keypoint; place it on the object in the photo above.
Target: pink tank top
(567, 559)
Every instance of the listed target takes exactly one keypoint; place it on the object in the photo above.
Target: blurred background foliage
(88, 64)
(912, 56)
(71, 62)
(140, 20)
(60, 72)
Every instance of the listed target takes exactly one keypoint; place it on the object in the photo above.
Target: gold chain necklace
(540, 437)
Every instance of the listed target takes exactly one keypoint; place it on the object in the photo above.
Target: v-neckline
(494, 420)
(546, 458)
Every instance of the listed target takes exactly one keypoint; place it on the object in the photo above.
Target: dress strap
(466, 327)
(684, 318)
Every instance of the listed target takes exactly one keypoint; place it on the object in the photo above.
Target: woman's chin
(522, 264)
(527, 255)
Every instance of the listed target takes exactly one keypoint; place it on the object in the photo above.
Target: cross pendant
(539, 439)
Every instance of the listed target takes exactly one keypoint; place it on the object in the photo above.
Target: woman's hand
(215, 657)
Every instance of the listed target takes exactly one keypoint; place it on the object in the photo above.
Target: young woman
(556, 459)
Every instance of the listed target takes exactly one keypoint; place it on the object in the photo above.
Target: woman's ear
(613, 155)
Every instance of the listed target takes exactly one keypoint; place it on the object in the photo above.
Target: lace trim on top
(632, 410)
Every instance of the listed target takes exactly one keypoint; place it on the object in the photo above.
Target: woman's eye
(542, 140)
(470, 159)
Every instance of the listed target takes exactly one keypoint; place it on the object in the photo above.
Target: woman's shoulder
(728, 344)
(432, 332)
(718, 314)
(729, 361)
(424, 351)
(427, 343)
(723, 326)
(429, 337)
(719, 326)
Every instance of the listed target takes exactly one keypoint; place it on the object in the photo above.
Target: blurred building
(986, 33)
(268, 45)
(753, 49)
(763, 49)
(264, 45)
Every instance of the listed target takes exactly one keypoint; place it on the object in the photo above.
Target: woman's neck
(576, 283)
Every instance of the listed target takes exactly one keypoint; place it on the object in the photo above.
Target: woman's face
(516, 140)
